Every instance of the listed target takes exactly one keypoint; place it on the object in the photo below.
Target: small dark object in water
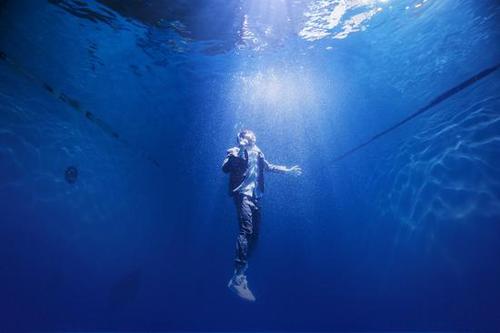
(126, 289)
(71, 174)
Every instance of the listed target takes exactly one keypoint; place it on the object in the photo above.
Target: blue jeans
(249, 216)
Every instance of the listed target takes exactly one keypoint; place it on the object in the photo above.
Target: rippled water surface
(115, 117)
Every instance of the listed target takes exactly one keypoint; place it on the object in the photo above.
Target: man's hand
(295, 170)
(233, 151)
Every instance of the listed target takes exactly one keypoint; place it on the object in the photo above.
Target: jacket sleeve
(274, 167)
(229, 162)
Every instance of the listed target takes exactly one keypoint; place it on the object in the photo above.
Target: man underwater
(246, 165)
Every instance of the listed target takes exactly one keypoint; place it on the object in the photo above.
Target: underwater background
(115, 117)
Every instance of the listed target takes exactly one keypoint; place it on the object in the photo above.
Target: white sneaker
(239, 285)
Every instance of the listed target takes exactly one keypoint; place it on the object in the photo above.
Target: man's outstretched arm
(295, 170)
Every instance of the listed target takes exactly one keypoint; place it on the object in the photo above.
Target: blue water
(144, 98)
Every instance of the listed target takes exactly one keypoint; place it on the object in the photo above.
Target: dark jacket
(236, 167)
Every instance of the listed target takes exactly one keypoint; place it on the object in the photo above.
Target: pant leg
(256, 218)
(245, 210)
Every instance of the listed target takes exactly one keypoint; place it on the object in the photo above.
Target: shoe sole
(240, 296)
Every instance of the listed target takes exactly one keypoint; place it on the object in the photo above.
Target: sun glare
(280, 91)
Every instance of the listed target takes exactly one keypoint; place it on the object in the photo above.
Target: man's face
(247, 140)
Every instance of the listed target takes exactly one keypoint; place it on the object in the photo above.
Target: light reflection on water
(446, 172)
(338, 18)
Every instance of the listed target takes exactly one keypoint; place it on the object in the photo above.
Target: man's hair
(246, 132)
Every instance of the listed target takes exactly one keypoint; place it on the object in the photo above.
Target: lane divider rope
(439, 99)
(75, 105)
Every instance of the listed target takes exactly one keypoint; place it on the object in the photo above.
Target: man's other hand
(295, 170)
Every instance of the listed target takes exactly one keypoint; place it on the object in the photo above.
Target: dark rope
(75, 105)
(444, 96)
